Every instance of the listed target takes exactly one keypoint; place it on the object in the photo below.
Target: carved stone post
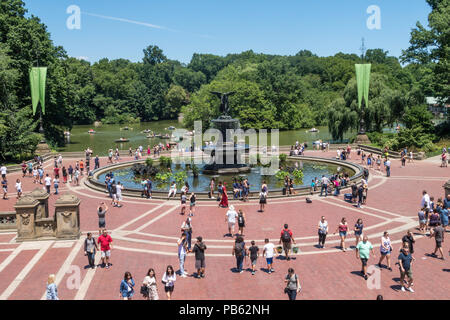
(447, 188)
(42, 196)
(26, 209)
(67, 215)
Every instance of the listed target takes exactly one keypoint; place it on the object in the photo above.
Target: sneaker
(273, 270)
(403, 289)
(185, 273)
(269, 272)
(183, 276)
(107, 266)
(411, 289)
(202, 275)
(241, 271)
(380, 266)
(365, 277)
(253, 273)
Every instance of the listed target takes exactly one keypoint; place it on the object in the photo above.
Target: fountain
(226, 155)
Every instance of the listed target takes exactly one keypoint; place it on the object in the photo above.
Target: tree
(431, 46)
(153, 55)
(175, 98)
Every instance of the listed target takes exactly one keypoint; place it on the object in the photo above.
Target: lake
(106, 134)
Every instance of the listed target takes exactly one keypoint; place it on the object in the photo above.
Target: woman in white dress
(150, 282)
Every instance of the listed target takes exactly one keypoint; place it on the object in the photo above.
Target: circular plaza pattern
(145, 232)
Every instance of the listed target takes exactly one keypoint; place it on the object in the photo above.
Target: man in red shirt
(287, 239)
(105, 246)
(56, 172)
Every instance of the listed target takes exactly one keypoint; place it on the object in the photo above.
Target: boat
(166, 136)
(171, 128)
(125, 128)
(313, 130)
(122, 140)
(92, 131)
(159, 135)
(147, 131)
(150, 136)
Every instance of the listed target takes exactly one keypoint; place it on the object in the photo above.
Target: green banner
(363, 82)
(38, 77)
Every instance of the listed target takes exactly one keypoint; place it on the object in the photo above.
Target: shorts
(231, 225)
(241, 225)
(3, 175)
(169, 288)
(262, 201)
(119, 197)
(106, 253)
(358, 234)
(102, 224)
(438, 244)
(192, 204)
(342, 233)
(199, 264)
(423, 221)
(407, 273)
(5, 190)
(269, 260)
(385, 253)
(286, 246)
(364, 261)
(254, 261)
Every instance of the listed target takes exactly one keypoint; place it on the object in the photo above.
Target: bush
(149, 162)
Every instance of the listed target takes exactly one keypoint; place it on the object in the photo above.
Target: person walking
(241, 222)
(438, 234)
(64, 174)
(18, 188)
(150, 283)
(182, 251)
(51, 290)
(239, 251)
(230, 218)
(262, 200)
(56, 184)
(96, 162)
(5, 188)
(324, 186)
(385, 250)
(342, 228)
(359, 226)
(268, 252)
(363, 253)
(323, 231)
(118, 193)
(211, 188)
(405, 263)
(105, 241)
(224, 199)
(192, 200)
(409, 239)
(292, 284)
(387, 165)
(127, 287)
(254, 254)
(287, 239)
(186, 228)
(90, 248)
(183, 203)
(168, 280)
(47, 183)
(199, 252)
(101, 212)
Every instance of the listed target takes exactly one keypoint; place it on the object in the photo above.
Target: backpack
(286, 237)
(241, 219)
(239, 248)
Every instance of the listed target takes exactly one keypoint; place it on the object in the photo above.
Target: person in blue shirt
(52, 291)
(127, 287)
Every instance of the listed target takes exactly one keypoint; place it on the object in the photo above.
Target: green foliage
(430, 47)
(163, 177)
(149, 162)
(195, 170)
(282, 158)
(281, 175)
(298, 176)
(180, 177)
(165, 162)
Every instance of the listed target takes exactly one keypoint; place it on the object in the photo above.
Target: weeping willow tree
(386, 105)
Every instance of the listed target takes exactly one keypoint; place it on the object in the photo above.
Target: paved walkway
(145, 233)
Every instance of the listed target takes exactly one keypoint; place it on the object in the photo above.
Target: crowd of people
(433, 223)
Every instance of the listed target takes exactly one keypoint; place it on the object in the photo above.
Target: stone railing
(8, 221)
(392, 154)
(33, 221)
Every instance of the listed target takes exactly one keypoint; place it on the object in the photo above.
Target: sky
(122, 29)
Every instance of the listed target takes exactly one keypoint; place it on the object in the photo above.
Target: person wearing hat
(199, 251)
(230, 218)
